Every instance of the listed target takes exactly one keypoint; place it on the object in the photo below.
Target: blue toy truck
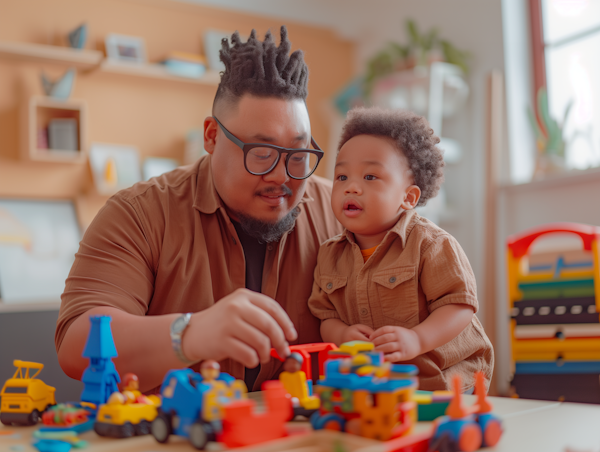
(192, 406)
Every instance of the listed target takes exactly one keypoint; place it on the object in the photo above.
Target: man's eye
(370, 177)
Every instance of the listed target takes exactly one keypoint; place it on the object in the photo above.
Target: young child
(392, 277)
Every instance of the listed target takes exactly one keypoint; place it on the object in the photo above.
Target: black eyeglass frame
(247, 147)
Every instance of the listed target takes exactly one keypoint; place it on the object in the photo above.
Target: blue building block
(335, 379)
(100, 378)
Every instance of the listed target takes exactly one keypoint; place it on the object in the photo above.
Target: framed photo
(38, 242)
(114, 167)
(126, 48)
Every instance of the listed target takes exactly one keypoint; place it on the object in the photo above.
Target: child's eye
(341, 177)
(370, 177)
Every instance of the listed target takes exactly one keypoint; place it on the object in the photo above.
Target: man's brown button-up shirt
(168, 245)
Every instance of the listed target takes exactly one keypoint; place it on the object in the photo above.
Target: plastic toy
(25, 397)
(65, 415)
(242, 426)
(554, 301)
(464, 429)
(431, 405)
(192, 404)
(362, 394)
(298, 387)
(127, 413)
(100, 378)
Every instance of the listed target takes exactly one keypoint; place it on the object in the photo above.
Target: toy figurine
(295, 383)
(210, 370)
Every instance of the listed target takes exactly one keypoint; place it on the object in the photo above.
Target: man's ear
(411, 197)
(210, 134)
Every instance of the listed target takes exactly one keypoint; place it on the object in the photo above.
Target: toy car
(192, 404)
(24, 397)
(466, 429)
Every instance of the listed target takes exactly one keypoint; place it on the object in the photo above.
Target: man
(196, 239)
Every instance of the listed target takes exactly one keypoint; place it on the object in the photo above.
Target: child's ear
(411, 197)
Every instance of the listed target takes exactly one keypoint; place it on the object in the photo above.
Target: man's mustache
(283, 189)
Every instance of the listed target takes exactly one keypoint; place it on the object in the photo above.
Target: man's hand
(242, 326)
(357, 332)
(396, 343)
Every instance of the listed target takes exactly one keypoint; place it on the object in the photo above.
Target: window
(566, 39)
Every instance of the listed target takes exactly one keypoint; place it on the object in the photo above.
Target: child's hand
(357, 332)
(396, 343)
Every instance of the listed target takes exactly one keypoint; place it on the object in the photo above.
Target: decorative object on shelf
(421, 50)
(53, 130)
(155, 166)
(78, 37)
(212, 46)
(350, 96)
(62, 134)
(125, 48)
(550, 142)
(38, 242)
(61, 88)
(184, 64)
(114, 167)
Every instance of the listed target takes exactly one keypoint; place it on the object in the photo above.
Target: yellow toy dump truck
(25, 397)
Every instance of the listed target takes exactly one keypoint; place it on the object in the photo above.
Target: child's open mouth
(352, 208)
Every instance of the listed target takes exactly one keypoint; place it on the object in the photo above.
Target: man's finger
(242, 353)
(275, 310)
(255, 339)
(265, 323)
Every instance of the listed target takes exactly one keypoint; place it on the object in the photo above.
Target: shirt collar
(207, 200)
(401, 229)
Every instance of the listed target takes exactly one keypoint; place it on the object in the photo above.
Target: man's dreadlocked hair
(262, 69)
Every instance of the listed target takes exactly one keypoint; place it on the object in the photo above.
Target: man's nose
(278, 175)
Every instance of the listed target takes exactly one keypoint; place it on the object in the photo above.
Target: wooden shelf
(82, 59)
(157, 71)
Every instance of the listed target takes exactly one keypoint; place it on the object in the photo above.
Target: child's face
(372, 186)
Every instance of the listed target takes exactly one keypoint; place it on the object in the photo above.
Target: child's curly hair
(413, 137)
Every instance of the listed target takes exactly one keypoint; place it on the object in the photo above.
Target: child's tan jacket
(416, 269)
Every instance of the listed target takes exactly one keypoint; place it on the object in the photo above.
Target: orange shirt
(416, 269)
(168, 245)
(366, 254)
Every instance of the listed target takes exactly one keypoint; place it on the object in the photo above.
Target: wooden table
(529, 425)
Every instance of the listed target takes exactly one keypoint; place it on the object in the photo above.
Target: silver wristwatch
(178, 327)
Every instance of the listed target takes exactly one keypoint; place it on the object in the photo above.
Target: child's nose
(353, 187)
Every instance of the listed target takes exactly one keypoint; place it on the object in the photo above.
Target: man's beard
(267, 232)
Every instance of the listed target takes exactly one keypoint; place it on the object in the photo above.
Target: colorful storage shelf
(554, 305)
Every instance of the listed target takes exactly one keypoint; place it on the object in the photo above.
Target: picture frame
(130, 49)
(114, 167)
(38, 242)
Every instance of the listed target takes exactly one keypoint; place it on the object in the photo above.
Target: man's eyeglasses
(261, 158)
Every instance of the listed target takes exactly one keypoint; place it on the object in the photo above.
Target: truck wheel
(161, 428)
(34, 417)
(127, 430)
(143, 428)
(200, 434)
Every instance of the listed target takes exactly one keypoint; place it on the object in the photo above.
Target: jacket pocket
(398, 295)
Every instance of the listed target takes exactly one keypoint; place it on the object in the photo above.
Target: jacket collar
(401, 229)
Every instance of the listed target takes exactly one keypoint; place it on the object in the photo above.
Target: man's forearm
(143, 344)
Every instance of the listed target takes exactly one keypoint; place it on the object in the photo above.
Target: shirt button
(269, 247)
(329, 285)
(364, 311)
(393, 279)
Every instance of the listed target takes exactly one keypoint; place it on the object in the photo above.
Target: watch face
(178, 325)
